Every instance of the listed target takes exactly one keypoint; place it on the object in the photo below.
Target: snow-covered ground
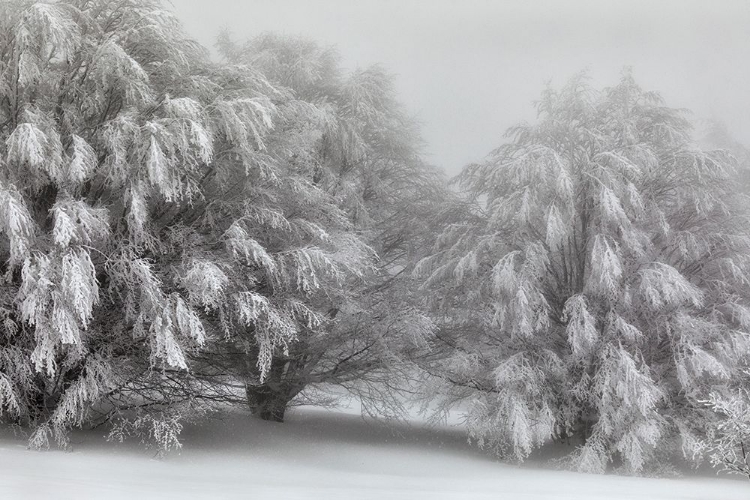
(316, 454)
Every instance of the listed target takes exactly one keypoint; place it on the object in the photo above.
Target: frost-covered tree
(597, 289)
(88, 133)
(151, 203)
(361, 150)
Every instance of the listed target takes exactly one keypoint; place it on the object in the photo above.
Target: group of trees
(178, 234)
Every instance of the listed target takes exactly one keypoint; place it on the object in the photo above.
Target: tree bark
(284, 380)
(267, 403)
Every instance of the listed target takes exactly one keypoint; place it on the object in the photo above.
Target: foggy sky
(467, 70)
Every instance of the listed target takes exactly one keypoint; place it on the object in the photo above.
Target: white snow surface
(316, 454)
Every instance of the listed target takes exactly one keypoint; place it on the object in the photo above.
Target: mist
(234, 266)
(468, 70)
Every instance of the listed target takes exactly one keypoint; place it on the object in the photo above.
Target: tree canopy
(178, 234)
(365, 155)
(597, 288)
(175, 228)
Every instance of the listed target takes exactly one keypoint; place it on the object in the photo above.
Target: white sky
(469, 69)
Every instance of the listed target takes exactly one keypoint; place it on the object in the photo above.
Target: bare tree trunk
(270, 399)
(267, 403)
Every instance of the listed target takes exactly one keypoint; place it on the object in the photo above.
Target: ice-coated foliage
(328, 240)
(173, 229)
(85, 105)
(595, 289)
(152, 202)
(730, 438)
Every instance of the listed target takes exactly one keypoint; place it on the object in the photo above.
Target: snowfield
(316, 454)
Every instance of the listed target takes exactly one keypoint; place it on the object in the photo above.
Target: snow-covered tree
(357, 147)
(86, 136)
(151, 202)
(596, 290)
